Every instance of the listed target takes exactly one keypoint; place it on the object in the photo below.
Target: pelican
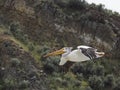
(82, 53)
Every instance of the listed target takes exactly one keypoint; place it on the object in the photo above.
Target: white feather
(83, 46)
(74, 56)
(63, 60)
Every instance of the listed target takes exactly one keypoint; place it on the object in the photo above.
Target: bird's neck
(65, 54)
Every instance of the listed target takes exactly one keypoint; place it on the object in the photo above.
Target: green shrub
(88, 88)
(9, 83)
(1, 84)
(18, 33)
(100, 71)
(0, 87)
(24, 84)
(117, 85)
(31, 46)
(78, 68)
(80, 76)
(43, 49)
(51, 64)
(88, 69)
(109, 80)
(15, 62)
(7, 32)
(77, 4)
(96, 82)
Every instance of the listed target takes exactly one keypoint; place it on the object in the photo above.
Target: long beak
(101, 54)
(61, 51)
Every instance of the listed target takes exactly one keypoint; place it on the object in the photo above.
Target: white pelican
(82, 53)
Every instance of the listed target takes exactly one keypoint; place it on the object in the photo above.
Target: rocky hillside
(31, 28)
(18, 69)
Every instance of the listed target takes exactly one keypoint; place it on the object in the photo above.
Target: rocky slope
(50, 20)
(31, 28)
(18, 69)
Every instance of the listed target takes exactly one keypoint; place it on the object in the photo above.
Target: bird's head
(59, 52)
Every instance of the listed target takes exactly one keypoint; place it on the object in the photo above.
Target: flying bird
(82, 53)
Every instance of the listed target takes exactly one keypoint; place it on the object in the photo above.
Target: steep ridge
(31, 28)
(18, 69)
(47, 19)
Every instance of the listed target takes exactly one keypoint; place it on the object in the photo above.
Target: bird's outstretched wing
(89, 52)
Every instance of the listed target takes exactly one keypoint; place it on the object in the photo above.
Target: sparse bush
(31, 46)
(100, 7)
(1, 84)
(18, 33)
(88, 69)
(15, 62)
(88, 88)
(96, 82)
(61, 3)
(100, 70)
(38, 49)
(9, 83)
(7, 32)
(117, 85)
(78, 68)
(43, 50)
(77, 4)
(10, 50)
(66, 81)
(80, 76)
(24, 84)
(51, 65)
(109, 81)
(0, 87)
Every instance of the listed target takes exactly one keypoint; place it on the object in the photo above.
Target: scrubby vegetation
(31, 28)
(85, 76)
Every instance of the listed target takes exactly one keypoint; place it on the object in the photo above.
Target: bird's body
(77, 56)
(73, 56)
(82, 53)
